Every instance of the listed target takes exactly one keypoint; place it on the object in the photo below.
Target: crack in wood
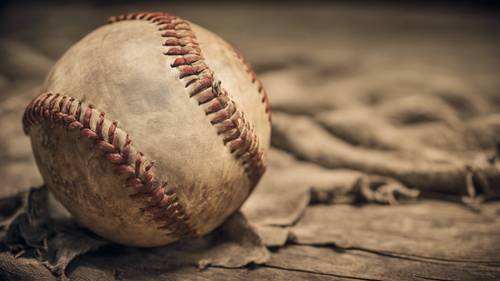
(413, 257)
(304, 271)
(410, 257)
(432, 278)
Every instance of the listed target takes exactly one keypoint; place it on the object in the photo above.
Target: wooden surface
(425, 241)
(313, 59)
(428, 240)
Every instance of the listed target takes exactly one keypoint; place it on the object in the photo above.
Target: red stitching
(257, 82)
(236, 131)
(56, 109)
(230, 123)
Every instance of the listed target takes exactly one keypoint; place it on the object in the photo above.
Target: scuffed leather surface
(121, 70)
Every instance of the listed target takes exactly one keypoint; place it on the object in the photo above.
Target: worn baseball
(150, 129)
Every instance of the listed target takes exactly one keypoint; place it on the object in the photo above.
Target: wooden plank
(430, 230)
(90, 272)
(364, 265)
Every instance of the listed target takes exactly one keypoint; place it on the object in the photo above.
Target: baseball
(150, 129)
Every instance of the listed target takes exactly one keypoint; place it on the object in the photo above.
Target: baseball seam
(230, 123)
(237, 133)
(260, 88)
(161, 204)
